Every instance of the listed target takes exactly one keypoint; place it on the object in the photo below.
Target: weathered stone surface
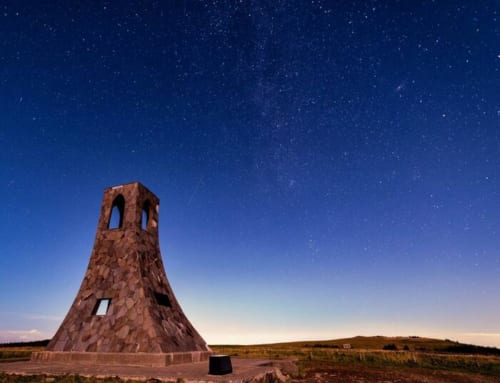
(126, 268)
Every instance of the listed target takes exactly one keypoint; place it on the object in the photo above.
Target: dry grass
(10, 354)
(412, 354)
(419, 352)
(4, 378)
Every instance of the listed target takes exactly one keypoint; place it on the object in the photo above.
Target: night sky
(325, 169)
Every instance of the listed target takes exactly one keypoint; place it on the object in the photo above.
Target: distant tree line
(38, 343)
(471, 349)
(453, 349)
(324, 345)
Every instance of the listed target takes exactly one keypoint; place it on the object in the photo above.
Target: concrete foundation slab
(121, 358)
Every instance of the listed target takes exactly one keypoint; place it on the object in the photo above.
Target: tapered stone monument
(125, 311)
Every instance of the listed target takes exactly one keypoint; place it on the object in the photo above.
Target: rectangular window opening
(102, 306)
(162, 300)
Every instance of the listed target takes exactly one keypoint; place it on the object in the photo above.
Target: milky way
(324, 168)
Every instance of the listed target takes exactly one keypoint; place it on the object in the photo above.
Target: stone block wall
(126, 271)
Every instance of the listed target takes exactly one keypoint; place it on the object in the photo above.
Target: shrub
(390, 346)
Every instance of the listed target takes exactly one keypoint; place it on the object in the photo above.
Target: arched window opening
(116, 216)
(145, 216)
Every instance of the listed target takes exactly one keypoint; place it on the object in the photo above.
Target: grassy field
(12, 354)
(378, 351)
(403, 354)
(411, 343)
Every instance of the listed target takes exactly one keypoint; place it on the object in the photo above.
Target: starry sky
(325, 169)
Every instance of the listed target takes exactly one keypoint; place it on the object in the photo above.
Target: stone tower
(125, 311)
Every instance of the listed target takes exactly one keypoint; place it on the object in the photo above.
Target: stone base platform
(120, 359)
(244, 371)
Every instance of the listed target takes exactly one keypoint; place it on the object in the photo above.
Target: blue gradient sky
(323, 170)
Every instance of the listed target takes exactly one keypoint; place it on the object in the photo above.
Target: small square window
(102, 306)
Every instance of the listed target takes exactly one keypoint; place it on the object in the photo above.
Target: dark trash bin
(219, 365)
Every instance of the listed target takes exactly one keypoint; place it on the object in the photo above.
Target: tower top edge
(129, 185)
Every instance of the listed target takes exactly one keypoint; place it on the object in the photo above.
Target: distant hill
(409, 343)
